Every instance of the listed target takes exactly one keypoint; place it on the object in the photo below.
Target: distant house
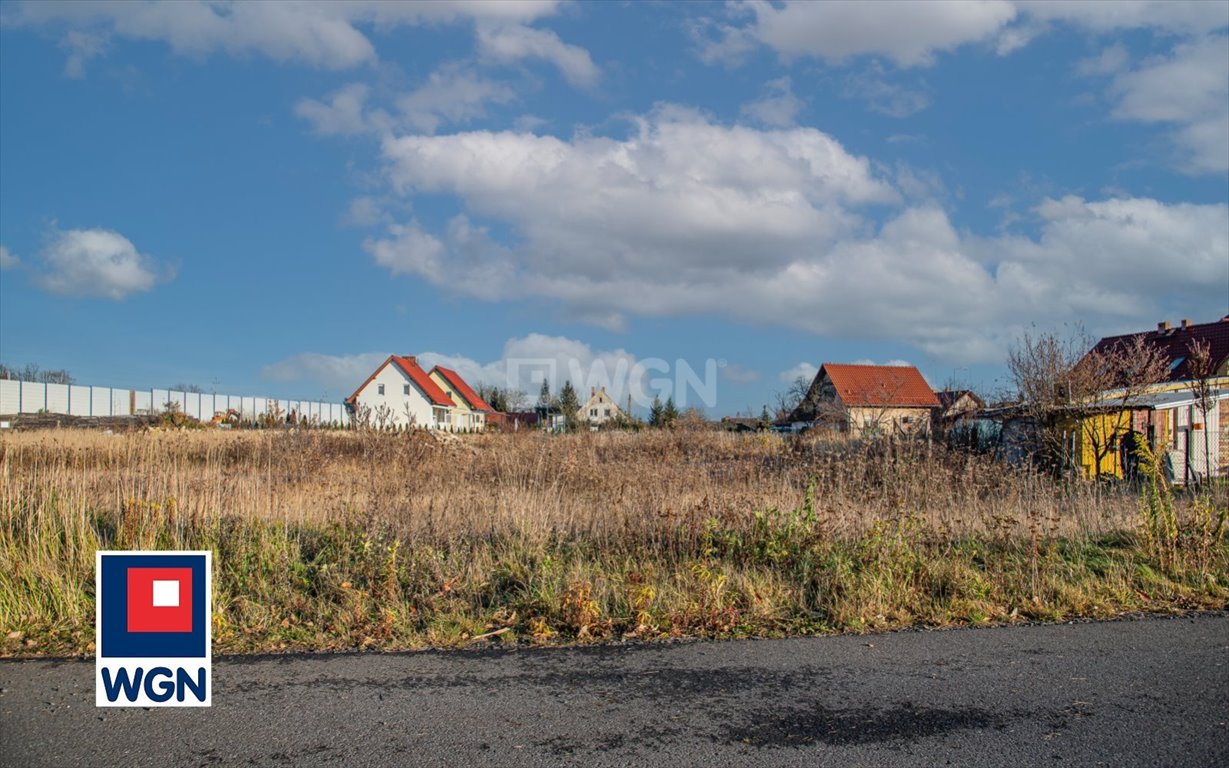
(1168, 416)
(1102, 434)
(401, 394)
(744, 424)
(866, 400)
(471, 411)
(551, 418)
(599, 409)
(957, 404)
(515, 421)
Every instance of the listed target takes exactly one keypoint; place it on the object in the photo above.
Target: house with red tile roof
(471, 411)
(867, 400)
(401, 394)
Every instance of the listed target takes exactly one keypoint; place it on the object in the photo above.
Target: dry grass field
(331, 540)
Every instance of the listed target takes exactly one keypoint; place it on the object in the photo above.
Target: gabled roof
(409, 366)
(949, 397)
(457, 383)
(1174, 343)
(882, 385)
(599, 396)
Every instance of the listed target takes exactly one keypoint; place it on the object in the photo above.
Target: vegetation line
(327, 540)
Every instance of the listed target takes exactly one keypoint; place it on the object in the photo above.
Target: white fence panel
(33, 397)
(57, 398)
(100, 401)
(192, 405)
(18, 397)
(78, 400)
(10, 397)
(121, 402)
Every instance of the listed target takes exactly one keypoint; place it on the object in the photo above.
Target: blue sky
(269, 198)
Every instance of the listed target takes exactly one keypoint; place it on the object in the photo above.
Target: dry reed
(340, 539)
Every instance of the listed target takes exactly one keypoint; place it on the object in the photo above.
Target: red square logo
(159, 599)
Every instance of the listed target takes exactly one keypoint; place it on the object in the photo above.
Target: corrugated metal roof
(1163, 400)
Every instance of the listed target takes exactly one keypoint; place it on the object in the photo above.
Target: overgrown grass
(338, 540)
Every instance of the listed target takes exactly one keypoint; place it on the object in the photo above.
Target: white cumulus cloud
(803, 370)
(320, 33)
(7, 259)
(778, 107)
(452, 94)
(514, 42)
(1188, 89)
(773, 227)
(911, 33)
(96, 262)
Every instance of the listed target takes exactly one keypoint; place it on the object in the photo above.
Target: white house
(600, 408)
(401, 394)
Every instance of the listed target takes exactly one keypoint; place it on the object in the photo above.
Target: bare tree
(1071, 396)
(32, 372)
(788, 400)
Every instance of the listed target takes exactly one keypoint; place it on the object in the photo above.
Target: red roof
(456, 382)
(409, 366)
(884, 385)
(1174, 343)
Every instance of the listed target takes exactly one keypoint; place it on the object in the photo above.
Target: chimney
(1186, 323)
(1163, 325)
(592, 391)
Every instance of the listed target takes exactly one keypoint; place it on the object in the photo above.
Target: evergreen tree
(765, 416)
(669, 414)
(569, 404)
(544, 394)
(655, 412)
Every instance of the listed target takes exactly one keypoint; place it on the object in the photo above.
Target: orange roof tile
(458, 383)
(884, 385)
(409, 366)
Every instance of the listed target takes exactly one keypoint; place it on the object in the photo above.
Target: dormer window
(1179, 360)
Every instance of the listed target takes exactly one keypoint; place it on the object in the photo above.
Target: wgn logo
(152, 629)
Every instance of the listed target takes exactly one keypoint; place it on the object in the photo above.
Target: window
(1177, 361)
(380, 389)
(406, 389)
(607, 413)
(592, 411)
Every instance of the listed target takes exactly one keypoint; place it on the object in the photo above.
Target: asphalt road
(1139, 692)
